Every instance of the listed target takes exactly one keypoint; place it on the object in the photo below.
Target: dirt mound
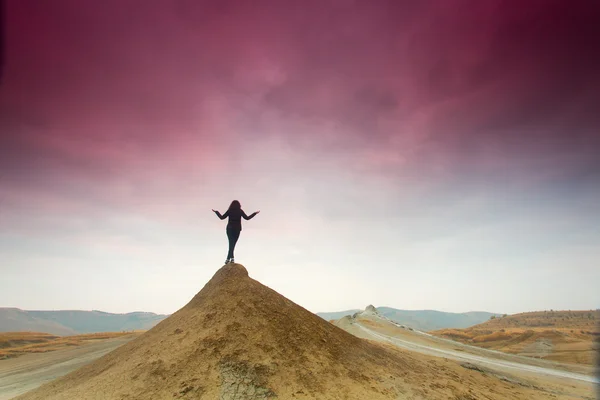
(371, 309)
(237, 339)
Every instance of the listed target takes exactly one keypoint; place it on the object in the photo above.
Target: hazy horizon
(316, 312)
(438, 155)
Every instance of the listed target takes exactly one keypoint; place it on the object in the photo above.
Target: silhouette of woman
(234, 225)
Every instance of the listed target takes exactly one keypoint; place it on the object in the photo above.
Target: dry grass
(12, 339)
(455, 334)
(583, 320)
(492, 337)
(14, 344)
(566, 336)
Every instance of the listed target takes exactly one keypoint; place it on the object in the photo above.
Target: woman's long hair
(235, 205)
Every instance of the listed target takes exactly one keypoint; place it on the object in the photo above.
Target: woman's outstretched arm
(249, 216)
(221, 216)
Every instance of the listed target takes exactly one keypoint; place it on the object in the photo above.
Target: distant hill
(580, 319)
(423, 320)
(72, 322)
(565, 336)
(16, 320)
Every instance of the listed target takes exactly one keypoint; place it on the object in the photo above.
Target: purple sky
(430, 154)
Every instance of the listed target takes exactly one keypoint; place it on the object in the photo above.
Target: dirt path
(24, 373)
(464, 356)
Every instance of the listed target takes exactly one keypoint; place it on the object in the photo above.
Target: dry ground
(238, 339)
(565, 336)
(21, 374)
(14, 344)
(547, 378)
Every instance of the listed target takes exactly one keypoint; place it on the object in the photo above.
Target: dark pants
(233, 235)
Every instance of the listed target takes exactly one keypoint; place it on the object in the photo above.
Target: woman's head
(235, 205)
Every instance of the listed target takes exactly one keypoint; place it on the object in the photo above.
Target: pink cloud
(110, 103)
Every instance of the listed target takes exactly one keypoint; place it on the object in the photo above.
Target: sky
(418, 155)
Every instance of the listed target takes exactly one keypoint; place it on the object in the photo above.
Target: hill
(72, 322)
(16, 320)
(423, 320)
(566, 336)
(586, 320)
(238, 339)
(98, 321)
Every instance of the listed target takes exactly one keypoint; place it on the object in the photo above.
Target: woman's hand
(257, 212)
(214, 211)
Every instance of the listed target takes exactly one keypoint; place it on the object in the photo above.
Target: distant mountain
(98, 321)
(423, 320)
(16, 320)
(72, 322)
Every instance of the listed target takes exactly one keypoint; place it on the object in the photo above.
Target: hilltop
(566, 336)
(238, 339)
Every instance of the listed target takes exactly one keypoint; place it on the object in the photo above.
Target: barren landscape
(238, 339)
(21, 374)
(15, 344)
(566, 336)
(552, 377)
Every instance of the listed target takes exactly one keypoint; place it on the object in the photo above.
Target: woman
(234, 226)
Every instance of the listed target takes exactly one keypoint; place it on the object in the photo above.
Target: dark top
(235, 218)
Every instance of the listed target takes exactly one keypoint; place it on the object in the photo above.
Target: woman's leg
(233, 235)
